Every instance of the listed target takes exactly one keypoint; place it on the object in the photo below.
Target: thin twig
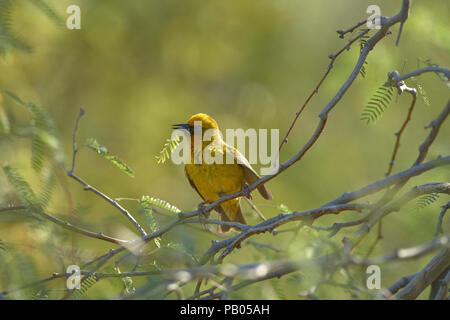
(425, 277)
(12, 208)
(88, 187)
(333, 58)
(259, 213)
(401, 86)
(342, 33)
(440, 219)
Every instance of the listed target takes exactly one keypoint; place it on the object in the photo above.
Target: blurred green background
(137, 67)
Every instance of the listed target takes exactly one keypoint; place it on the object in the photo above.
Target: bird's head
(206, 121)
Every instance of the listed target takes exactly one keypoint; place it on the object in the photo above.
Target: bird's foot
(246, 191)
(202, 213)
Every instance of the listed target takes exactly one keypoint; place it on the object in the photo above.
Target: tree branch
(425, 277)
(88, 187)
(401, 87)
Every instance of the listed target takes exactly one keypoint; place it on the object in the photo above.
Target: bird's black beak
(181, 126)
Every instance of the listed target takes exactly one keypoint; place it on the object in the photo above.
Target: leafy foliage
(8, 38)
(377, 104)
(168, 148)
(362, 43)
(421, 91)
(284, 208)
(182, 248)
(44, 135)
(103, 151)
(22, 188)
(149, 202)
(88, 283)
(128, 286)
(151, 221)
(48, 184)
(5, 127)
(430, 63)
(48, 10)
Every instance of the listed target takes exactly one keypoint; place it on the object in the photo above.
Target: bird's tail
(230, 211)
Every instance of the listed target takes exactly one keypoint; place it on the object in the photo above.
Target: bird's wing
(218, 208)
(192, 183)
(249, 173)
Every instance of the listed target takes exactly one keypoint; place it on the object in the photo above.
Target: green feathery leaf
(151, 220)
(128, 286)
(430, 63)
(284, 208)
(48, 10)
(421, 91)
(377, 104)
(8, 39)
(149, 202)
(181, 248)
(168, 148)
(5, 127)
(103, 151)
(88, 283)
(49, 182)
(45, 138)
(22, 188)
(362, 43)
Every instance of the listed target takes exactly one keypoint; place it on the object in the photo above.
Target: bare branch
(435, 125)
(406, 5)
(397, 285)
(342, 33)
(420, 71)
(79, 230)
(391, 180)
(401, 86)
(442, 292)
(271, 224)
(395, 205)
(67, 225)
(333, 58)
(12, 208)
(440, 219)
(425, 277)
(88, 187)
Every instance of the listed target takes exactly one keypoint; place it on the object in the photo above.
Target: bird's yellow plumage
(213, 180)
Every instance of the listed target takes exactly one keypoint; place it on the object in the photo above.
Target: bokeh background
(137, 67)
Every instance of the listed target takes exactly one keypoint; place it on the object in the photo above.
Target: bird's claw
(202, 213)
(246, 191)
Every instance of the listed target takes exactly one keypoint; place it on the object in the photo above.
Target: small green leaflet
(421, 91)
(22, 188)
(103, 151)
(377, 104)
(149, 202)
(430, 63)
(168, 148)
(127, 282)
(284, 208)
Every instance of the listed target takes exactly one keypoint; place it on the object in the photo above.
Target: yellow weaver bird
(214, 179)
